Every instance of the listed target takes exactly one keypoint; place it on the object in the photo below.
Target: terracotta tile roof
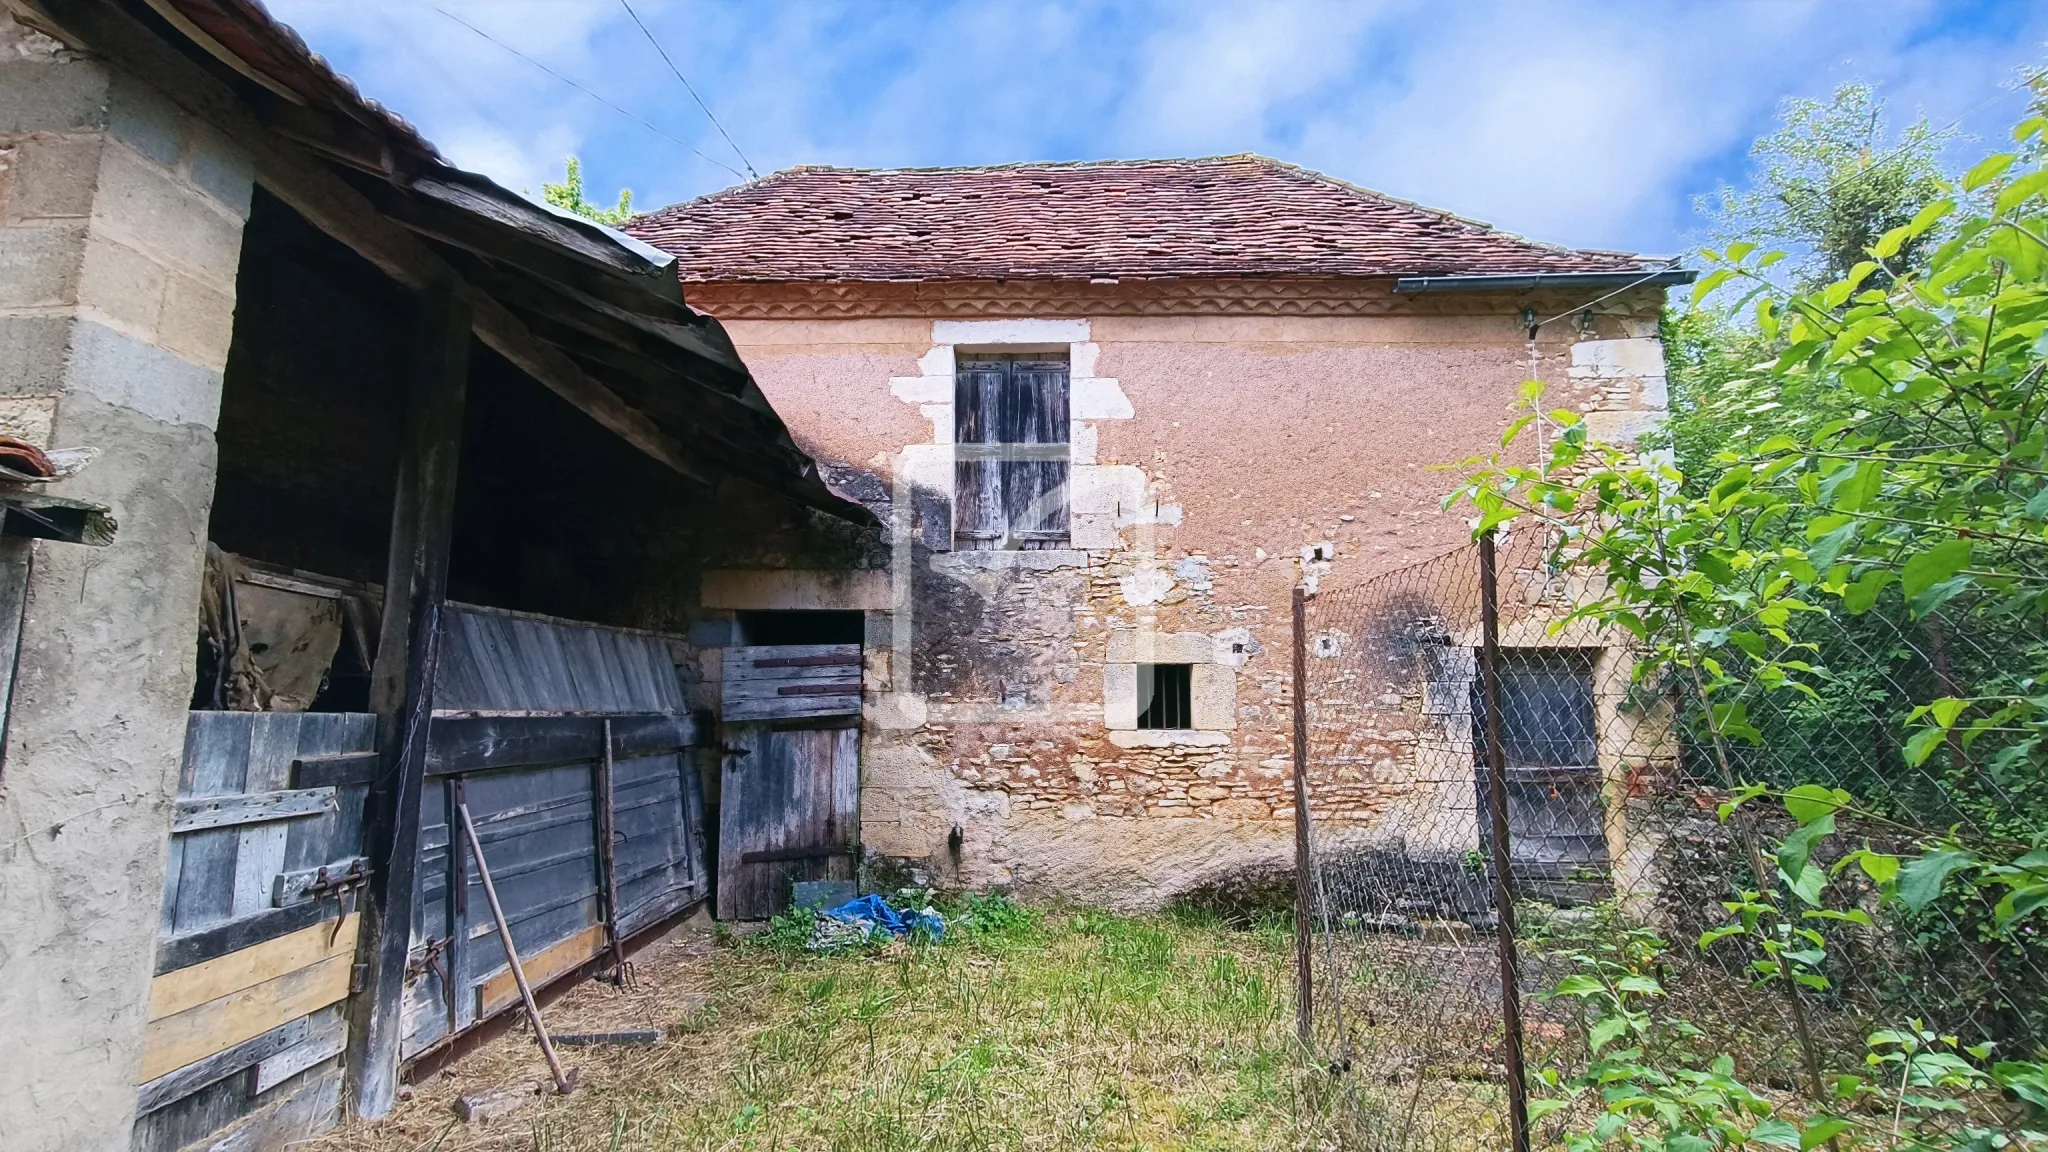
(1219, 216)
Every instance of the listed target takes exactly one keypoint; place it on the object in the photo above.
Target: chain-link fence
(1620, 861)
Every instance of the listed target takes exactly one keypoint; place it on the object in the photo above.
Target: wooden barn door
(256, 950)
(789, 802)
(790, 812)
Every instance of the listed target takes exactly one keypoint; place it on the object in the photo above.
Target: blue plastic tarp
(873, 915)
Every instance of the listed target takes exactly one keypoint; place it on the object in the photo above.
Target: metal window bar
(1166, 696)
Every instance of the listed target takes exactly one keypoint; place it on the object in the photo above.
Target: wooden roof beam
(303, 181)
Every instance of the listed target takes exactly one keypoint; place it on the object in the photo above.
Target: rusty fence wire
(1617, 857)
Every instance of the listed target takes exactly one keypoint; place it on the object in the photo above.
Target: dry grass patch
(1065, 1029)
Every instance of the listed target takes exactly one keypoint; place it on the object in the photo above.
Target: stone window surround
(1101, 498)
(1212, 678)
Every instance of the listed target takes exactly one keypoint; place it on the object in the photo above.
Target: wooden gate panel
(789, 811)
(253, 951)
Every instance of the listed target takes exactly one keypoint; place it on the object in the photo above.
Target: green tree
(568, 195)
(1829, 182)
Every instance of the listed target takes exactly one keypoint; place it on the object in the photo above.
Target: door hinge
(358, 976)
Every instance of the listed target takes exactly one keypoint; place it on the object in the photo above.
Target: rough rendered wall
(1217, 460)
(120, 229)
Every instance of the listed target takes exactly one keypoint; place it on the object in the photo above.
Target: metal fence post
(1304, 978)
(1503, 883)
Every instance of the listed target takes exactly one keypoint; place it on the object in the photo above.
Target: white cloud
(1583, 124)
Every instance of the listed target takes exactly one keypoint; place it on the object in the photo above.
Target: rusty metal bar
(1304, 977)
(1503, 882)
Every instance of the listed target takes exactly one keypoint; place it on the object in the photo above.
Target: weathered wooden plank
(187, 949)
(292, 887)
(746, 662)
(326, 1037)
(174, 1041)
(792, 707)
(202, 812)
(192, 1077)
(334, 768)
(501, 991)
(216, 762)
(175, 992)
(740, 690)
(302, 1111)
(482, 743)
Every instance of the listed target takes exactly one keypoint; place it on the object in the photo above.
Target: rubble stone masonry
(1220, 455)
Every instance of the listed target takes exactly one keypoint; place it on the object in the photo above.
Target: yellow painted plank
(541, 967)
(174, 992)
(200, 1031)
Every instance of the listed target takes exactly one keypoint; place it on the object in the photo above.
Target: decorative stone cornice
(994, 299)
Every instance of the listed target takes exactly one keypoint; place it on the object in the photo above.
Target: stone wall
(120, 232)
(1217, 460)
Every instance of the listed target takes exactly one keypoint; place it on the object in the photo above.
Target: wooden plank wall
(250, 970)
(791, 681)
(537, 821)
(493, 660)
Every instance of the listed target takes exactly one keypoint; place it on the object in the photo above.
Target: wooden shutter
(977, 471)
(1011, 452)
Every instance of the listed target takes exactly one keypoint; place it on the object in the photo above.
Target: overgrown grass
(1024, 1030)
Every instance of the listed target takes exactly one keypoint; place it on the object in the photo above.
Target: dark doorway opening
(799, 627)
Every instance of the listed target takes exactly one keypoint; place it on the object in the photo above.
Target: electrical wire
(645, 31)
(587, 92)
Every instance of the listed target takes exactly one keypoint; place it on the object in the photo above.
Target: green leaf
(1810, 881)
(1820, 1133)
(1810, 802)
(1920, 880)
(2019, 192)
(1578, 986)
(1921, 744)
(1538, 1109)
(1711, 281)
(2026, 1079)
(1986, 170)
(1946, 709)
(1881, 867)
(1774, 1132)
(1851, 489)
(1925, 569)
(1605, 1030)
(1797, 848)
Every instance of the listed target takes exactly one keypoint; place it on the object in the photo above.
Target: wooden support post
(606, 810)
(402, 689)
(1503, 880)
(1304, 975)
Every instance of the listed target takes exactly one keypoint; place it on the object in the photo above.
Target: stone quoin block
(54, 177)
(1213, 688)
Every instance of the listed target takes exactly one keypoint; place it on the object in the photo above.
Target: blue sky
(1588, 124)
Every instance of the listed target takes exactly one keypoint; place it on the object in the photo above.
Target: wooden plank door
(257, 944)
(789, 810)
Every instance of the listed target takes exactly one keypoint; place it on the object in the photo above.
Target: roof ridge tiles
(1237, 214)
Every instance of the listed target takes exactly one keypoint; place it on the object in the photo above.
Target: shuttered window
(1010, 452)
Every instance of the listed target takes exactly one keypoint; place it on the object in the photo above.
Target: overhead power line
(687, 87)
(691, 148)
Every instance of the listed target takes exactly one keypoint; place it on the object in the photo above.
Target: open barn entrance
(434, 586)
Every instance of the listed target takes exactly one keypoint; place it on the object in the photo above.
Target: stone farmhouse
(1112, 413)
